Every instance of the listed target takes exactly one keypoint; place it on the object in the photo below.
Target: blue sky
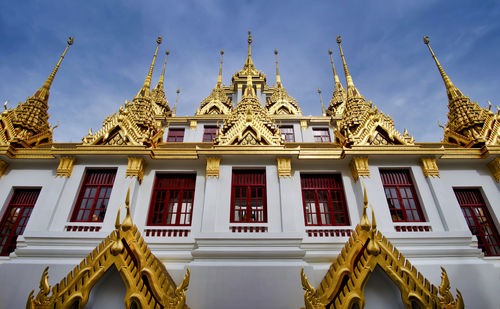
(382, 42)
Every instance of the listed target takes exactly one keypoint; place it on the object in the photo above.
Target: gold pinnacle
(278, 78)
(321, 100)
(49, 80)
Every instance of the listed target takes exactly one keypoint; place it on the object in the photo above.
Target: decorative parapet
(359, 167)
(3, 167)
(65, 167)
(429, 167)
(284, 167)
(494, 167)
(213, 165)
(135, 168)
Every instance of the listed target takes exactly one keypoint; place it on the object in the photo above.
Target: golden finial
(127, 223)
(117, 221)
(450, 88)
(373, 248)
(162, 76)
(365, 223)
(321, 100)
(176, 99)
(335, 76)
(219, 80)
(374, 222)
(350, 83)
(278, 79)
(147, 82)
(249, 62)
(7, 101)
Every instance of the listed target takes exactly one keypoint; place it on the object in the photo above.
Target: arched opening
(381, 292)
(109, 292)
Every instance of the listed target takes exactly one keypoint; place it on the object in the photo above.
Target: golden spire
(147, 83)
(249, 62)
(335, 76)
(219, 80)
(321, 100)
(176, 99)
(43, 92)
(127, 222)
(162, 76)
(450, 88)
(350, 83)
(278, 79)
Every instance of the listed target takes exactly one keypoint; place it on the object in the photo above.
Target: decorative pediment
(218, 102)
(149, 285)
(281, 103)
(367, 248)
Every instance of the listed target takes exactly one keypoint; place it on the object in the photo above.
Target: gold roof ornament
(339, 95)
(135, 122)
(240, 77)
(158, 93)
(218, 102)
(469, 125)
(249, 123)
(27, 125)
(149, 285)
(280, 102)
(323, 111)
(174, 111)
(343, 285)
(363, 124)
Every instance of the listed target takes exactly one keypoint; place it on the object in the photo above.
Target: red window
(248, 196)
(401, 196)
(479, 220)
(287, 134)
(94, 196)
(324, 200)
(175, 135)
(209, 134)
(321, 135)
(16, 217)
(172, 201)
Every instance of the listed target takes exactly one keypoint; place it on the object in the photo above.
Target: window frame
(323, 138)
(329, 183)
(165, 209)
(235, 185)
(285, 134)
(399, 196)
(177, 138)
(481, 234)
(22, 217)
(81, 195)
(213, 134)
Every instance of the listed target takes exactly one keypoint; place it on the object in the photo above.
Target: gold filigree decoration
(135, 123)
(27, 125)
(359, 167)
(429, 167)
(149, 285)
(135, 168)
(367, 248)
(3, 167)
(213, 166)
(249, 123)
(363, 124)
(65, 167)
(469, 125)
(284, 167)
(494, 167)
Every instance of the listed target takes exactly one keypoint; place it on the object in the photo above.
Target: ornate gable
(367, 248)
(27, 125)
(148, 283)
(362, 124)
(135, 122)
(469, 125)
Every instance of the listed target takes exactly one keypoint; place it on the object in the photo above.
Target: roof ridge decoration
(469, 125)
(135, 122)
(339, 95)
(249, 124)
(367, 248)
(158, 93)
(363, 124)
(280, 102)
(149, 285)
(27, 125)
(218, 101)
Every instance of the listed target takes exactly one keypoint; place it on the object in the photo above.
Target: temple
(249, 203)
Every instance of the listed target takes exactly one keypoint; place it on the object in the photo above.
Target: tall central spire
(162, 76)
(278, 79)
(145, 90)
(452, 91)
(351, 89)
(249, 62)
(219, 80)
(335, 76)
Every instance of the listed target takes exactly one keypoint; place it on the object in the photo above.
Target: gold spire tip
(330, 51)
(158, 40)
(275, 51)
(167, 52)
(178, 90)
(70, 40)
(339, 39)
(319, 90)
(426, 40)
(222, 52)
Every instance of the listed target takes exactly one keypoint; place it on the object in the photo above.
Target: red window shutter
(479, 220)
(321, 135)
(172, 200)
(209, 134)
(401, 196)
(248, 196)
(175, 135)
(93, 198)
(16, 217)
(288, 134)
(324, 200)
